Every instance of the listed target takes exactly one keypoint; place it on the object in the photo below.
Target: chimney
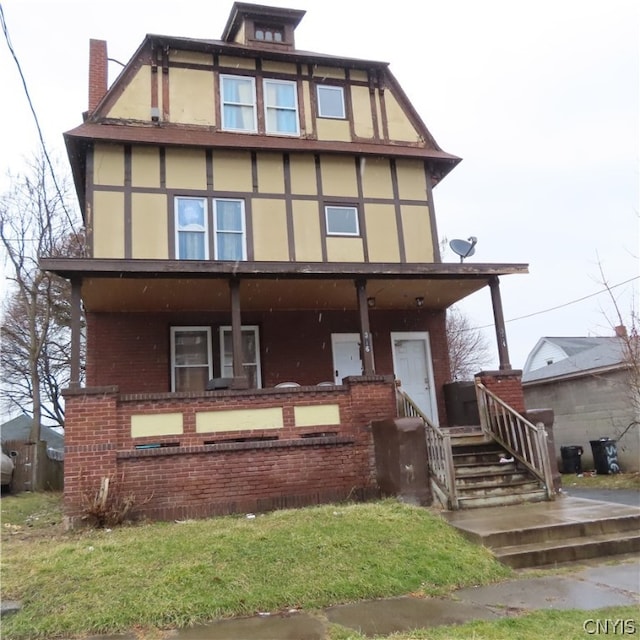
(621, 331)
(98, 73)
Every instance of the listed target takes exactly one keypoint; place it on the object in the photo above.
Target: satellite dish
(464, 248)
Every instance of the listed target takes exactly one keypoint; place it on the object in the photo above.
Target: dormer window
(269, 34)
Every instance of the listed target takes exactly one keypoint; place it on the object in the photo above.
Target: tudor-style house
(262, 272)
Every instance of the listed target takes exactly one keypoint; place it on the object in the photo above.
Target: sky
(539, 98)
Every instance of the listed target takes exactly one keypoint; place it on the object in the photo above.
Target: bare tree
(34, 222)
(468, 347)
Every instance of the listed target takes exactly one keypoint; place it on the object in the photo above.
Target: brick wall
(507, 385)
(194, 479)
(132, 350)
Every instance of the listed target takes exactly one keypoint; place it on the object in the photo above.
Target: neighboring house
(586, 383)
(256, 216)
(19, 430)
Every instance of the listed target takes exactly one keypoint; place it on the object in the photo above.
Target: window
(238, 103)
(230, 239)
(191, 366)
(269, 34)
(330, 102)
(342, 221)
(191, 228)
(250, 355)
(281, 107)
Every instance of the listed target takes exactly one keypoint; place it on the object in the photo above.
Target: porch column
(498, 318)
(366, 350)
(74, 378)
(236, 329)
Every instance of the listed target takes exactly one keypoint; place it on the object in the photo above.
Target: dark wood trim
(145, 268)
(248, 227)
(163, 168)
(74, 379)
(432, 214)
(498, 318)
(398, 209)
(166, 110)
(366, 346)
(173, 250)
(254, 172)
(209, 168)
(383, 108)
(320, 197)
(288, 203)
(362, 222)
(374, 106)
(154, 78)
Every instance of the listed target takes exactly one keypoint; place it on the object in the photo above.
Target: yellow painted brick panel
(339, 176)
(279, 67)
(345, 250)
(303, 175)
(269, 230)
(400, 127)
(192, 57)
(317, 415)
(332, 129)
(270, 173)
(376, 178)
(186, 169)
(328, 72)
(416, 228)
(306, 231)
(135, 101)
(159, 424)
(145, 167)
(382, 233)
(362, 117)
(239, 420)
(108, 224)
(412, 184)
(237, 63)
(108, 164)
(149, 226)
(232, 171)
(191, 97)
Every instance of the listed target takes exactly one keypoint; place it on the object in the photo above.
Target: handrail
(439, 452)
(524, 440)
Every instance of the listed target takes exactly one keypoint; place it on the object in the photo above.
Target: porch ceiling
(197, 294)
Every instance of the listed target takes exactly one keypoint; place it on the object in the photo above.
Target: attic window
(550, 361)
(269, 34)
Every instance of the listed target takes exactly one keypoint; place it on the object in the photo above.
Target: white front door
(412, 366)
(346, 355)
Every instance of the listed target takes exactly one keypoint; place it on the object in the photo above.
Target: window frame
(353, 208)
(331, 87)
(224, 329)
(184, 329)
(242, 232)
(267, 107)
(178, 230)
(254, 104)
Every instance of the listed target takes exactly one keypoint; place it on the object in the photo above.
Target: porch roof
(145, 285)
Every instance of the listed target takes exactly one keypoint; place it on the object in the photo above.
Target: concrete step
(512, 498)
(549, 533)
(568, 550)
(506, 479)
(476, 469)
(488, 489)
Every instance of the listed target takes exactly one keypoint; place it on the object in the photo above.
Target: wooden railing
(524, 440)
(439, 452)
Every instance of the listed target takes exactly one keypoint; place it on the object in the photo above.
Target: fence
(50, 466)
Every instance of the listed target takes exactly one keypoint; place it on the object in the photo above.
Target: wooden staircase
(482, 480)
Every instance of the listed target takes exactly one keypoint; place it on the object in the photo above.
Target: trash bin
(605, 456)
(571, 459)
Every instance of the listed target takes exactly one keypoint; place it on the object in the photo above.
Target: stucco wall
(588, 408)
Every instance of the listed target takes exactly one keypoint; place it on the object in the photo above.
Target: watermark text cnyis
(610, 626)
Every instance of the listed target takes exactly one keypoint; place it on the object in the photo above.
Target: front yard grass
(590, 480)
(164, 575)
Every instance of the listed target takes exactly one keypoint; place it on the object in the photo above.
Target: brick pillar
(507, 385)
(98, 72)
(91, 440)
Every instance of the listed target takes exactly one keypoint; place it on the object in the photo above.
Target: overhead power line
(5, 30)
(566, 304)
